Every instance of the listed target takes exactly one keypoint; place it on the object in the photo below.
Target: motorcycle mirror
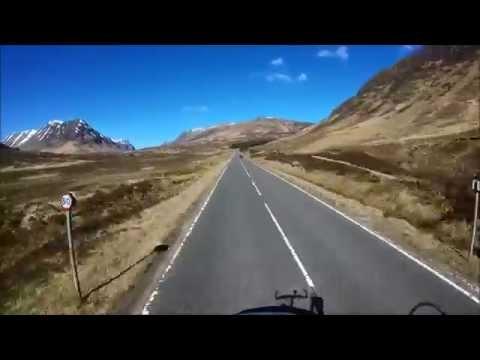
(316, 304)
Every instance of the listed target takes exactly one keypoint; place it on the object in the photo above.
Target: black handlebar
(316, 305)
(291, 297)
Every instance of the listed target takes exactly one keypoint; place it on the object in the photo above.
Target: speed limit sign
(476, 184)
(67, 201)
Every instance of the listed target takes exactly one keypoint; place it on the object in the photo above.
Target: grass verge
(404, 213)
(114, 227)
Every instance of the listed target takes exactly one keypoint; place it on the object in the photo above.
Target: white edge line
(290, 247)
(146, 310)
(411, 257)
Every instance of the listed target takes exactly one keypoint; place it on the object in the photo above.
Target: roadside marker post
(476, 189)
(68, 202)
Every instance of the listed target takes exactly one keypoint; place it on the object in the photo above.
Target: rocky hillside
(433, 92)
(262, 128)
(73, 136)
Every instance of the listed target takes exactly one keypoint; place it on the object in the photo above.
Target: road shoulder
(188, 205)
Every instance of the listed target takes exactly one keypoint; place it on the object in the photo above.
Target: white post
(68, 202)
(73, 260)
(474, 225)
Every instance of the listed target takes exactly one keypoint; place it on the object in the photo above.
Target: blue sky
(149, 94)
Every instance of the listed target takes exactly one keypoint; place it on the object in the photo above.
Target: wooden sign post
(68, 202)
(476, 189)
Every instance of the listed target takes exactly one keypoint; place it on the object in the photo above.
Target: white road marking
(146, 310)
(256, 188)
(389, 242)
(251, 179)
(292, 250)
(244, 168)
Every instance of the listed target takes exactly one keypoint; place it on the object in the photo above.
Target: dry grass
(34, 275)
(430, 191)
(419, 203)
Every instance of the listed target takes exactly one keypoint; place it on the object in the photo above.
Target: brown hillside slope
(434, 92)
(262, 128)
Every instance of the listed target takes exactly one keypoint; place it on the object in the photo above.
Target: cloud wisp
(277, 61)
(302, 77)
(285, 78)
(341, 53)
(281, 74)
(280, 77)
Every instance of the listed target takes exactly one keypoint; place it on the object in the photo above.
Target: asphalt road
(252, 240)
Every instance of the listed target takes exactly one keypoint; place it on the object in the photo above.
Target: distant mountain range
(72, 136)
(77, 136)
(265, 128)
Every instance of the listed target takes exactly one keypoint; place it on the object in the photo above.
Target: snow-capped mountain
(66, 136)
(18, 138)
(124, 144)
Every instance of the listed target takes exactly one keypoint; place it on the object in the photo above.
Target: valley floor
(130, 207)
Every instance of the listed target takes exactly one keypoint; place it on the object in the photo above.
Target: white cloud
(302, 77)
(277, 62)
(325, 53)
(278, 77)
(341, 52)
(285, 78)
(195, 109)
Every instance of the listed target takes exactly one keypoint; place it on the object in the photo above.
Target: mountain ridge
(224, 134)
(71, 136)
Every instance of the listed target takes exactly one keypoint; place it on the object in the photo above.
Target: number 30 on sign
(66, 202)
(476, 185)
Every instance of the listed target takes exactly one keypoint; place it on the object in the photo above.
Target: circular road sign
(67, 202)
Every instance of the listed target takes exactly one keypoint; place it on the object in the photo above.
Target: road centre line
(251, 179)
(290, 247)
(256, 188)
(244, 168)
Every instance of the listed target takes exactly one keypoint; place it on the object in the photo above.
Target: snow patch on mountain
(18, 138)
(121, 141)
(29, 134)
(55, 122)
